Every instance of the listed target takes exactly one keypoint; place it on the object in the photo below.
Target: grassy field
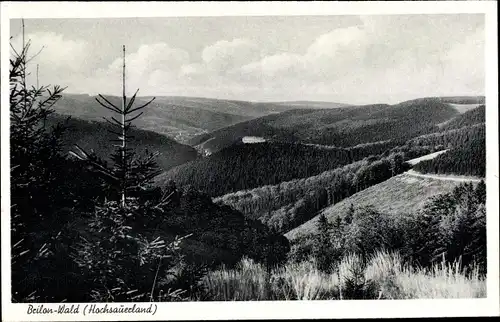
(399, 195)
(384, 276)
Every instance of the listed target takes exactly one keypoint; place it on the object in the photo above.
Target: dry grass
(384, 276)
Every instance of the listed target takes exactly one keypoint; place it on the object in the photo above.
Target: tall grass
(383, 276)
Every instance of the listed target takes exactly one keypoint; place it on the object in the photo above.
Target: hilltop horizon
(285, 101)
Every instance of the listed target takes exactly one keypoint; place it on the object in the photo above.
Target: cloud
(272, 67)
(388, 57)
(148, 68)
(382, 59)
(224, 55)
(56, 52)
(149, 58)
(60, 60)
(326, 58)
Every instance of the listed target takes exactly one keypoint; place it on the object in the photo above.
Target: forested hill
(465, 159)
(180, 117)
(474, 116)
(176, 117)
(92, 135)
(343, 127)
(246, 166)
(453, 99)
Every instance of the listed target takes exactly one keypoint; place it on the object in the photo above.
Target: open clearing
(426, 157)
(401, 195)
(462, 108)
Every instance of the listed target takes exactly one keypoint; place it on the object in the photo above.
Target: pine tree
(127, 258)
(396, 164)
(38, 187)
(323, 251)
(481, 192)
(349, 216)
(128, 174)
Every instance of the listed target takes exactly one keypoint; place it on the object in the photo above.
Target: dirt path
(426, 157)
(456, 178)
(443, 177)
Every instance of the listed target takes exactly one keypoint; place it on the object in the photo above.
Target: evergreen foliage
(324, 251)
(466, 159)
(340, 127)
(469, 118)
(451, 226)
(95, 229)
(246, 166)
(39, 195)
(287, 205)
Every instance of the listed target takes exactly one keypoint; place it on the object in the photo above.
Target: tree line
(289, 204)
(246, 166)
(341, 127)
(468, 159)
(451, 226)
(469, 118)
(451, 138)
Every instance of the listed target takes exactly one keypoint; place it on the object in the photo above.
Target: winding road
(456, 178)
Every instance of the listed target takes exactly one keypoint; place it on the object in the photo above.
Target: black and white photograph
(298, 158)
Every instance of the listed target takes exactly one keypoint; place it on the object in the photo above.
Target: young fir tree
(129, 174)
(349, 216)
(38, 194)
(323, 251)
(481, 192)
(126, 257)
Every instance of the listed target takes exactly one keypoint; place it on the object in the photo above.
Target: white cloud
(148, 58)
(274, 66)
(224, 55)
(147, 68)
(59, 59)
(330, 43)
(384, 59)
(390, 58)
(328, 56)
(56, 52)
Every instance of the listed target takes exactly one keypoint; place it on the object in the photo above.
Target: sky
(348, 59)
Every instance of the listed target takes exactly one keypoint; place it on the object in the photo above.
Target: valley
(182, 118)
(260, 182)
(247, 158)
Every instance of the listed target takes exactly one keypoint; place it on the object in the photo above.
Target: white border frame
(270, 310)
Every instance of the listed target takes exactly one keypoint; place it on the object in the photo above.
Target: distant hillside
(463, 99)
(288, 204)
(400, 195)
(454, 99)
(460, 103)
(178, 117)
(311, 104)
(466, 159)
(246, 166)
(342, 127)
(95, 135)
(471, 117)
(450, 138)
